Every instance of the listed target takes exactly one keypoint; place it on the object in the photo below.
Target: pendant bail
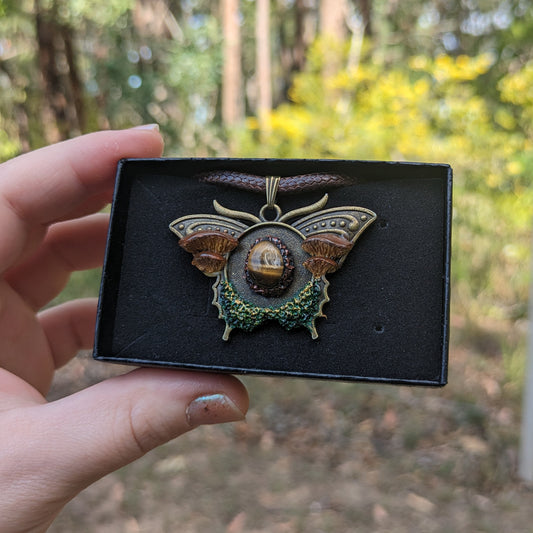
(272, 184)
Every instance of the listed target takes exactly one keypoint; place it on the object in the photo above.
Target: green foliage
(429, 110)
(514, 366)
(8, 147)
(300, 311)
(100, 13)
(173, 82)
(136, 63)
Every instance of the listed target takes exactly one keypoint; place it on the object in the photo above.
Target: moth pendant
(272, 266)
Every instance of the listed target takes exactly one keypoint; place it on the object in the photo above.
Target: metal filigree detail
(271, 269)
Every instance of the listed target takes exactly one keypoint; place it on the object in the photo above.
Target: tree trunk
(263, 63)
(294, 40)
(78, 107)
(300, 46)
(62, 86)
(365, 6)
(54, 99)
(332, 32)
(333, 19)
(525, 466)
(232, 98)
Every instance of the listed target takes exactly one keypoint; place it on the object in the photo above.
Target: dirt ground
(329, 457)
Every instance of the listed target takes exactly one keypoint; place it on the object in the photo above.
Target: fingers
(33, 347)
(54, 451)
(69, 328)
(44, 186)
(15, 392)
(117, 421)
(93, 204)
(68, 246)
(109, 425)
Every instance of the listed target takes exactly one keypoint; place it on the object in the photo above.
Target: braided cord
(251, 182)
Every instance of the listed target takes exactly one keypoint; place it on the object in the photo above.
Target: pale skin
(50, 226)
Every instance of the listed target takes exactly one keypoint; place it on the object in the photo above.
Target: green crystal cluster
(300, 311)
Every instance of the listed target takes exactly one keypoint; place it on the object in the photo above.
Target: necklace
(273, 265)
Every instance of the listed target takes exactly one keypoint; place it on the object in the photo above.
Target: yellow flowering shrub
(429, 110)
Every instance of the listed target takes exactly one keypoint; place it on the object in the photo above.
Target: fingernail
(152, 127)
(213, 409)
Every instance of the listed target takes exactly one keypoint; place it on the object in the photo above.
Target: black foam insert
(388, 315)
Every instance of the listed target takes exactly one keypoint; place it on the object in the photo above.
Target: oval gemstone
(265, 264)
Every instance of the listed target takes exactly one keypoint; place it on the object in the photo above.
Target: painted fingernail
(213, 409)
(152, 127)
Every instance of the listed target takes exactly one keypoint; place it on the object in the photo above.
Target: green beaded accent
(300, 311)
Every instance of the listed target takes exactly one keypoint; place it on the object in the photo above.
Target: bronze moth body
(271, 269)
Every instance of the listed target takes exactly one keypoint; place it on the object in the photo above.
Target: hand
(51, 451)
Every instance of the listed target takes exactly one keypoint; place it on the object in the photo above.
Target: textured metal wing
(186, 225)
(348, 222)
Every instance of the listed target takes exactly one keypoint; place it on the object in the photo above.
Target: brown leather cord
(251, 182)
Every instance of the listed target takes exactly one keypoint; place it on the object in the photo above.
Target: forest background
(436, 81)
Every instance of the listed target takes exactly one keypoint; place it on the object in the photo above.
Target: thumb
(100, 429)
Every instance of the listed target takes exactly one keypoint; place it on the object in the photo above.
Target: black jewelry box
(388, 309)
